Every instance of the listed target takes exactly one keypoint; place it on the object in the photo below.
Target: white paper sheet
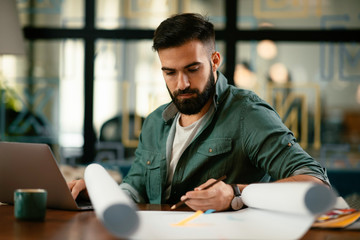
(276, 211)
(244, 224)
(112, 206)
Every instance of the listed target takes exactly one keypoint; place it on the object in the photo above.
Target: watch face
(237, 203)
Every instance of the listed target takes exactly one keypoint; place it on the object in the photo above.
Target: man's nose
(183, 81)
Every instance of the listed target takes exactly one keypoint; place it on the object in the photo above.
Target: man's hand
(217, 197)
(78, 187)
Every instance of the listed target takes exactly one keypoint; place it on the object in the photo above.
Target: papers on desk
(244, 224)
(275, 211)
(346, 218)
(301, 198)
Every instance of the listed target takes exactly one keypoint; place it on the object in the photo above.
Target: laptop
(32, 165)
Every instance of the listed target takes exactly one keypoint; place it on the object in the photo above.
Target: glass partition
(112, 14)
(52, 13)
(314, 87)
(304, 14)
(42, 94)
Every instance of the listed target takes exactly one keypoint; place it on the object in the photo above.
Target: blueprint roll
(113, 207)
(291, 197)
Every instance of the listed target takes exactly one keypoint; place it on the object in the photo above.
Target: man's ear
(216, 60)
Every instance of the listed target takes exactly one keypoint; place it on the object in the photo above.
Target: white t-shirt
(182, 139)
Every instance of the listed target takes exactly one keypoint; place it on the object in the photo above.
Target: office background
(89, 76)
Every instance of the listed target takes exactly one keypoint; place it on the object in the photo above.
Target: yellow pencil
(183, 222)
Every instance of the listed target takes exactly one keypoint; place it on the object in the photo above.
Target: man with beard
(210, 129)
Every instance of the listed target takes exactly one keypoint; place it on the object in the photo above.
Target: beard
(194, 105)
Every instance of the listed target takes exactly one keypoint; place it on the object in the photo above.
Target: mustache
(185, 91)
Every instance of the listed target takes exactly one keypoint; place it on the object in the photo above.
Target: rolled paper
(290, 197)
(113, 207)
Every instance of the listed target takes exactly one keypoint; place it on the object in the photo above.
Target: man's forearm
(296, 178)
(302, 178)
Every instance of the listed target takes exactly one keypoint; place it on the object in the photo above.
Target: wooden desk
(84, 225)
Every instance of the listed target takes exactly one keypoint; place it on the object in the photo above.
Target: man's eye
(169, 73)
(193, 69)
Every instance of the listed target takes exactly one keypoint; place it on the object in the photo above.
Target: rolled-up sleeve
(272, 147)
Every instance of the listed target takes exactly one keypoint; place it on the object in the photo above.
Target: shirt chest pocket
(214, 156)
(214, 147)
(153, 175)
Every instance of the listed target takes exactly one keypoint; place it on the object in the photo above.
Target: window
(90, 62)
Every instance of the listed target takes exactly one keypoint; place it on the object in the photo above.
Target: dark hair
(181, 28)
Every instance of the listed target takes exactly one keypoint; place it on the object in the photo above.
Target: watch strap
(236, 190)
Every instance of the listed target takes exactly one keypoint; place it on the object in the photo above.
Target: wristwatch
(237, 202)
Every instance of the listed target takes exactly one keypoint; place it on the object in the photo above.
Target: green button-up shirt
(244, 139)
